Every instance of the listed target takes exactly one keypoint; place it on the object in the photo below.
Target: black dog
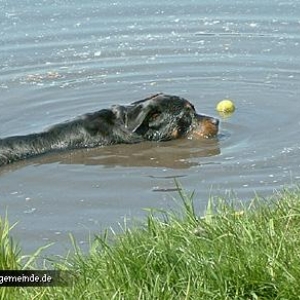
(157, 118)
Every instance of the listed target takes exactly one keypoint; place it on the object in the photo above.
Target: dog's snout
(207, 126)
(212, 120)
(215, 121)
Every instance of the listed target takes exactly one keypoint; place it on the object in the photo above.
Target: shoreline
(248, 253)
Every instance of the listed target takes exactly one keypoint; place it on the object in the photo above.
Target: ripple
(59, 60)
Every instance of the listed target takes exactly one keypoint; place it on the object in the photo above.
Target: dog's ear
(134, 115)
(144, 112)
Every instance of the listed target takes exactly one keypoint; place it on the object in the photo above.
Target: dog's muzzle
(206, 127)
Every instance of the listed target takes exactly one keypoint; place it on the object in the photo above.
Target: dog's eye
(154, 120)
(154, 117)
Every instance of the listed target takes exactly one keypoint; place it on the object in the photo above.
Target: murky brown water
(60, 59)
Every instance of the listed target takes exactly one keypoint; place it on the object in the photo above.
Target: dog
(157, 118)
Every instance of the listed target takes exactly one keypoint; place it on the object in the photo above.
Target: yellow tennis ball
(226, 106)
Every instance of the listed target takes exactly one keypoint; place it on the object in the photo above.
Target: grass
(250, 253)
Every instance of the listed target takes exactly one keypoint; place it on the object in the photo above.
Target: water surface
(60, 59)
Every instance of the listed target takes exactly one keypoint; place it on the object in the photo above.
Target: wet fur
(157, 118)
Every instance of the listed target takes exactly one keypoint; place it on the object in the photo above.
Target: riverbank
(249, 253)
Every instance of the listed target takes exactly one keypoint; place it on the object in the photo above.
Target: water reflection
(62, 58)
(177, 154)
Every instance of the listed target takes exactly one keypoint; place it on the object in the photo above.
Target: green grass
(250, 253)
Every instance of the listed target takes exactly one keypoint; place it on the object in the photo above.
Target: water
(60, 59)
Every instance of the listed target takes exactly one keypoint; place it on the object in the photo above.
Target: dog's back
(157, 118)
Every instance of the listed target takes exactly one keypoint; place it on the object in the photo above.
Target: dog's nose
(212, 120)
(215, 121)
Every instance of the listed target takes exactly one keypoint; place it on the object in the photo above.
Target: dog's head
(164, 117)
